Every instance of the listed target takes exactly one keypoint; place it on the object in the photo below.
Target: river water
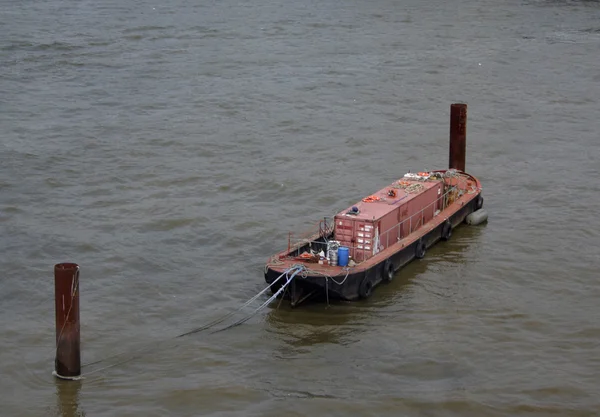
(169, 147)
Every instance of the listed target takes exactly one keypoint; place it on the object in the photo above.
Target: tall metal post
(458, 136)
(66, 301)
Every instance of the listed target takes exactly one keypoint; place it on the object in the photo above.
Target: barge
(346, 256)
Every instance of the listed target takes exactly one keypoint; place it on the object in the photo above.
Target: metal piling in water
(458, 136)
(67, 364)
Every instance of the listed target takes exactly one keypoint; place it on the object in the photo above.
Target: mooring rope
(288, 275)
(246, 304)
(263, 305)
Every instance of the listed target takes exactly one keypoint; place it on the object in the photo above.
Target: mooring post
(67, 364)
(458, 136)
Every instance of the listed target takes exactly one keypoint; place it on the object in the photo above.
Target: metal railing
(419, 220)
(420, 216)
(321, 231)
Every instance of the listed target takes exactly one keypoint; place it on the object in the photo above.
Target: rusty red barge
(348, 255)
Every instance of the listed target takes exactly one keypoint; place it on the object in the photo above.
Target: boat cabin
(382, 219)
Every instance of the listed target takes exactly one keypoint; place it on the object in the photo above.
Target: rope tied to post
(287, 277)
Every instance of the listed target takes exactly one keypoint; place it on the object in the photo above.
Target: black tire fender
(446, 230)
(420, 249)
(478, 202)
(387, 273)
(366, 288)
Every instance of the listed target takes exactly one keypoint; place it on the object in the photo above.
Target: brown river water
(169, 147)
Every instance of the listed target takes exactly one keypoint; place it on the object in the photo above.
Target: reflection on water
(314, 324)
(67, 397)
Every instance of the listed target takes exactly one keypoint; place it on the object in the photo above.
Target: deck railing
(419, 217)
(415, 221)
(322, 230)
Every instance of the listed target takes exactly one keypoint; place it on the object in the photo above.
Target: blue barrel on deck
(343, 256)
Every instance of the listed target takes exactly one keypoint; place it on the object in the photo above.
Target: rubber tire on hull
(387, 273)
(446, 230)
(366, 288)
(420, 250)
(478, 202)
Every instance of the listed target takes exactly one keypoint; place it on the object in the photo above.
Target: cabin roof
(384, 203)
